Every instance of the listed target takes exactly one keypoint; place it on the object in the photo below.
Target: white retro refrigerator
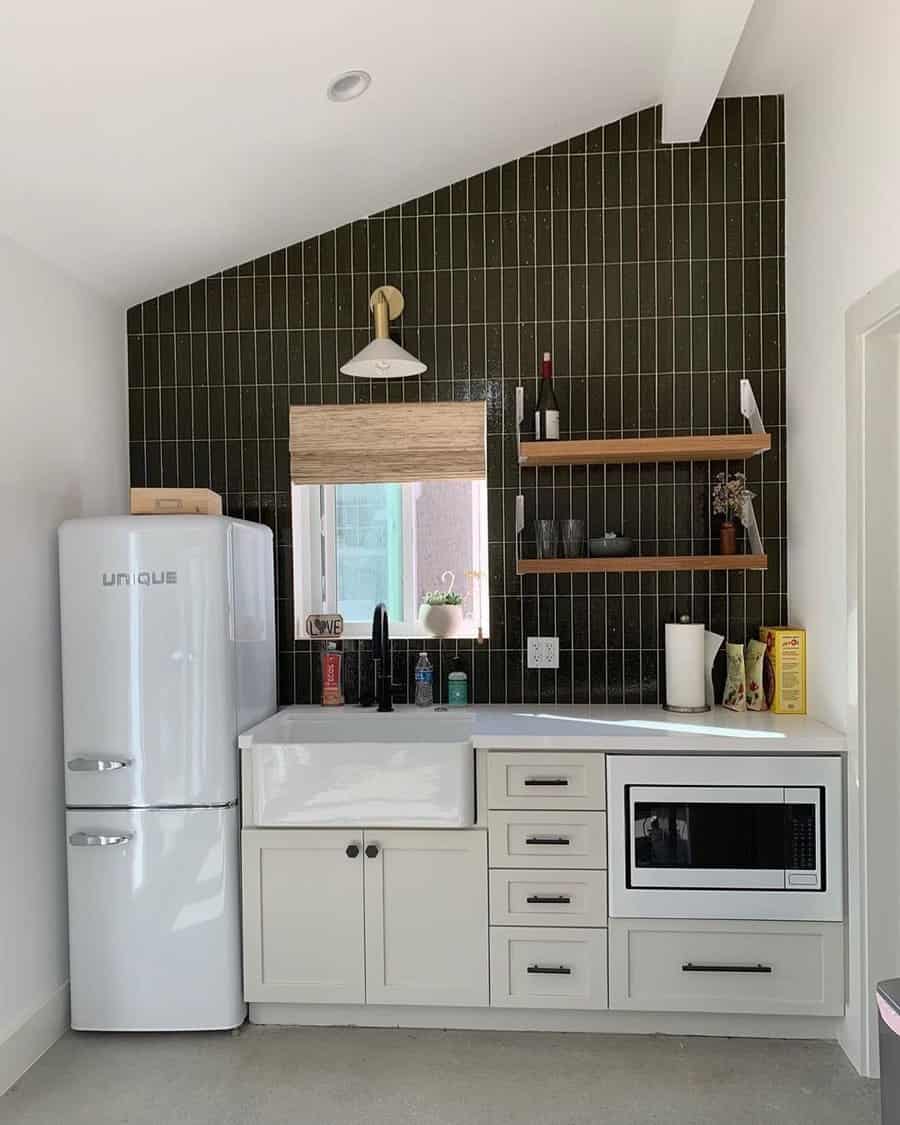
(168, 653)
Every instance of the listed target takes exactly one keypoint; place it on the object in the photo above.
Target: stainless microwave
(717, 837)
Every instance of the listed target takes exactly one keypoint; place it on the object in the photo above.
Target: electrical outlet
(543, 652)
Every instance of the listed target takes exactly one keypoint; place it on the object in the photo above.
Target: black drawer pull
(551, 970)
(546, 781)
(563, 841)
(550, 900)
(690, 967)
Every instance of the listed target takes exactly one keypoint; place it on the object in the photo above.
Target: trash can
(888, 998)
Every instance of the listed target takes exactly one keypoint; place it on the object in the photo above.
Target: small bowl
(615, 547)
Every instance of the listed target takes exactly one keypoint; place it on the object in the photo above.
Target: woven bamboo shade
(378, 442)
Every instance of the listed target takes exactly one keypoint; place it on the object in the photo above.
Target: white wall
(843, 237)
(63, 452)
(842, 240)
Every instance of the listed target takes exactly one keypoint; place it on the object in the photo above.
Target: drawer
(546, 781)
(548, 898)
(548, 968)
(547, 839)
(781, 968)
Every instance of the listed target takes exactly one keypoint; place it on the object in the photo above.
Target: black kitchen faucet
(381, 653)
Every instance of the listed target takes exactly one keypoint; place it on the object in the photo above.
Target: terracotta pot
(728, 538)
(441, 620)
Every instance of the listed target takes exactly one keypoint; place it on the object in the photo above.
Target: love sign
(325, 626)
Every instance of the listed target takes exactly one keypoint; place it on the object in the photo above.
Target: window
(356, 545)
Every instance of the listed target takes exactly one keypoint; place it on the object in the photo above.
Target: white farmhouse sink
(356, 768)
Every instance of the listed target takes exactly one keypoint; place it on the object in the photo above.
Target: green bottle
(457, 685)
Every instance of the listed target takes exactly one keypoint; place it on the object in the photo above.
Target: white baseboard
(37, 1033)
(511, 1019)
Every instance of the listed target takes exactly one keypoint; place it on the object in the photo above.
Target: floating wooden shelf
(633, 451)
(642, 564)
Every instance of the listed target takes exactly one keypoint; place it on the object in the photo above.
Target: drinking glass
(547, 535)
(572, 538)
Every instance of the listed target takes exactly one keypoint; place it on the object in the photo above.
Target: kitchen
(669, 283)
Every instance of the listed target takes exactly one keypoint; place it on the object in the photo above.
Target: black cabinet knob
(352, 851)
(372, 851)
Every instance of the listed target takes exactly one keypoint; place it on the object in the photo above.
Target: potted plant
(441, 611)
(730, 497)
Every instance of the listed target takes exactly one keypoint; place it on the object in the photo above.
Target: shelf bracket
(748, 519)
(520, 526)
(520, 418)
(749, 408)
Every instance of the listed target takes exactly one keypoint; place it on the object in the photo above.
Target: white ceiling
(146, 145)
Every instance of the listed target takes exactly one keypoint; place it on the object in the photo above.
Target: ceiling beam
(707, 33)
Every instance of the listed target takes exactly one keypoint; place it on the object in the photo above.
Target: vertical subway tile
(655, 274)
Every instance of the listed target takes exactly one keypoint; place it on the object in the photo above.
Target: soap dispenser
(457, 685)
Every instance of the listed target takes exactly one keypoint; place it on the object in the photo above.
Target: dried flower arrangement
(730, 495)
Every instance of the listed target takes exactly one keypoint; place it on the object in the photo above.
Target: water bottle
(424, 681)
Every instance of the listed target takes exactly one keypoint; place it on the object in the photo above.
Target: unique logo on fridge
(139, 578)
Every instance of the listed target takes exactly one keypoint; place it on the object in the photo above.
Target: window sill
(400, 631)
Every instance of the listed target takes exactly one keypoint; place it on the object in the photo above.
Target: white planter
(441, 620)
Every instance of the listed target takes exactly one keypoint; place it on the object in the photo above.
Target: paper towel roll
(685, 667)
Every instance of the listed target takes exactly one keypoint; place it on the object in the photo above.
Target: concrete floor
(274, 1076)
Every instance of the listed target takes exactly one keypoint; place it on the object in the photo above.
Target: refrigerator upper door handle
(97, 765)
(98, 839)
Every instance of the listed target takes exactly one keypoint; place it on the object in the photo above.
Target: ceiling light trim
(348, 86)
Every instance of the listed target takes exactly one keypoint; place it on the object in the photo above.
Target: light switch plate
(543, 652)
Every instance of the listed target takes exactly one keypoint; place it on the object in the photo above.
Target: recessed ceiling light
(349, 85)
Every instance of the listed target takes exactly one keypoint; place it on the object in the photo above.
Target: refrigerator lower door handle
(98, 839)
(97, 765)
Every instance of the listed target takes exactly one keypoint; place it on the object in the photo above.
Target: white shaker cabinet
(426, 917)
(344, 916)
(303, 916)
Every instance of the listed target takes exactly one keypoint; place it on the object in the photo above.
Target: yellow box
(175, 502)
(785, 672)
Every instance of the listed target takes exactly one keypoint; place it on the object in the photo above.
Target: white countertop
(606, 729)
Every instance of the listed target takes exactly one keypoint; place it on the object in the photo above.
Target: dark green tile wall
(654, 273)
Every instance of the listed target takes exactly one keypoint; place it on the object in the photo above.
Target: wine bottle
(546, 416)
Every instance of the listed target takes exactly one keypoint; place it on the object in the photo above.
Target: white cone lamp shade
(383, 359)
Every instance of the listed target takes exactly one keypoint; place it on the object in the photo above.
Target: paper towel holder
(685, 619)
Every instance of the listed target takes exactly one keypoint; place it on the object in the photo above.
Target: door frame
(873, 870)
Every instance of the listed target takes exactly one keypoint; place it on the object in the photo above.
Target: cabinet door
(303, 916)
(426, 917)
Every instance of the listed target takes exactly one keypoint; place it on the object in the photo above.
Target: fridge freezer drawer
(154, 919)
